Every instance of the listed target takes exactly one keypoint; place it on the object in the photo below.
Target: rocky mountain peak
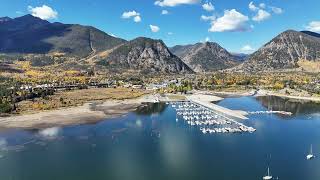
(203, 57)
(29, 19)
(285, 51)
(145, 54)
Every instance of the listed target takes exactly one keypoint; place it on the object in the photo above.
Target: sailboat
(268, 176)
(310, 156)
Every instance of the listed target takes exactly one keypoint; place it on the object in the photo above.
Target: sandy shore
(88, 113)
(233, 94)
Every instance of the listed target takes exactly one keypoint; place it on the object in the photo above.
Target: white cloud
(132, 14)
(247, 48)
(170, 33)
(261, 15)
(137, 19)
(276, 10)
(208, 7)
(154, 28)
(164, 12)
(207, 18)
(207, 39)
(314, 26)
(262, 5)
(44, 12)
(129, 14)
(253, 7)
(172, 3)
(232, 20)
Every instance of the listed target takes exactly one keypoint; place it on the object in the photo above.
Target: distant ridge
(29, 34)
(4, 19)
(240, 56)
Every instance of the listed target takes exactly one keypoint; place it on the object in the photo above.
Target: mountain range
(89, 46)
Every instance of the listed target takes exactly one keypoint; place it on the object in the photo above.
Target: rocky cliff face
(285, 51)
(145, 55)
(205, 57)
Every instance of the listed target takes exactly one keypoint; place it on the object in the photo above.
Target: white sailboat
(310, 156)
(268, 176)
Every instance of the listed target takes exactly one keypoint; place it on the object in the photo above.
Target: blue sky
(231, 23)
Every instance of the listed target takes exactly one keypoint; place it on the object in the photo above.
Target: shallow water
(150, 144)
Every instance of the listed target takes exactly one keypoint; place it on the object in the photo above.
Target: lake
(150, 144)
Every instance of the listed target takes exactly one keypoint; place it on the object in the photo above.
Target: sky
(237, 25)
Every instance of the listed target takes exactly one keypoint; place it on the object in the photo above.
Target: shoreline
(264, 93)
(91, 112)
(96, 111)
(304, 98)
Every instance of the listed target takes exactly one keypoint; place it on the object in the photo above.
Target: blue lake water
(150, 144)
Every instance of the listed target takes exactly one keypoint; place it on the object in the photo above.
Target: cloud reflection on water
(50, 133)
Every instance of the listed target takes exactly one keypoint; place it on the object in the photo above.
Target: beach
(87, 113)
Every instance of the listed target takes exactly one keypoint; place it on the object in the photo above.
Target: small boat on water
(310, 156)
(268, 176)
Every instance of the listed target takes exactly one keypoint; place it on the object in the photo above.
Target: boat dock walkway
(203, 101)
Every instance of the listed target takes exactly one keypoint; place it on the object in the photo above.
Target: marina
(208, 120)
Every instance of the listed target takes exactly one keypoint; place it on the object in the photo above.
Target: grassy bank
(76, 98)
